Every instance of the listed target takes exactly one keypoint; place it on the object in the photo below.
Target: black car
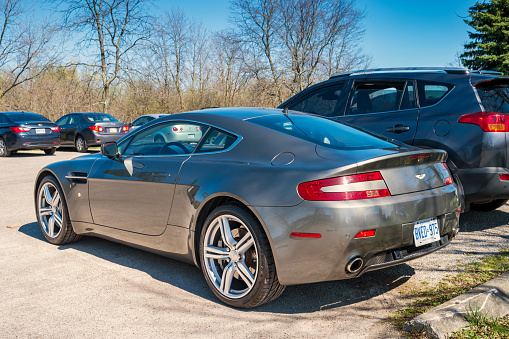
(85, 129)
(24, 130)
(461, 111)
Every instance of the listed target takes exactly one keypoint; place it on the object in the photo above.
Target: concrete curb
(491, 298)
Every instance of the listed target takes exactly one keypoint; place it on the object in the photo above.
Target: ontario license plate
(40, 130)
(113, 130)
(426, 231)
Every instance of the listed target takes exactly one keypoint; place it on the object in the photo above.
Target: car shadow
(73, 150)
(295, 300)
(474, 221)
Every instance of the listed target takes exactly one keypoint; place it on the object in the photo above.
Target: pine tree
(489, 45)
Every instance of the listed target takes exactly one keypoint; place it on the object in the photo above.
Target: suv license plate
(40, 130)
(426, 231)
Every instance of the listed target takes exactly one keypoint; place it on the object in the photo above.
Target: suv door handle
(398, 129)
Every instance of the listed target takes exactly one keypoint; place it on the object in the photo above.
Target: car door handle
(159, 174)
(398, 129)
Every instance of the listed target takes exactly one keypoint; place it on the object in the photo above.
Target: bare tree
(26, 45)
(114, 28)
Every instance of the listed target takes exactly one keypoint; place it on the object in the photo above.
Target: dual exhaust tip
(354, 265)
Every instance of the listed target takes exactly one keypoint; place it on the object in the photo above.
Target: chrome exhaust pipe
(354, 265)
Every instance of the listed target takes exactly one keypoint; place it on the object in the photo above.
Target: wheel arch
(41, 175)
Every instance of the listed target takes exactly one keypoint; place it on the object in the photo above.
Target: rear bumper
(97, 138)
(33, 142)
(484, 184)
(308, 260)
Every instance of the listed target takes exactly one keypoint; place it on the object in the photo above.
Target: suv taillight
(488, 121)
(344, 188)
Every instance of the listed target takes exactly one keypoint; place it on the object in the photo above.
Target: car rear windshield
(100, 117)
(322, 131)
(24, 117)
(494, 95)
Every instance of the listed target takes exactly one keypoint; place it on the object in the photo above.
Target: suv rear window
(431, 93)
(494, 95)
(322, 131)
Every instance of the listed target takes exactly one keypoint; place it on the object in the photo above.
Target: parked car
(265, 199)
(461, 111)
(143, 119)
(24, 130)
(85, 129)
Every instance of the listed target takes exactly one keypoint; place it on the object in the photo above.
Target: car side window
(374, 97)
(323, 101)
(141, 121)
(169, 138)
(74, 120)
(408, 100)
(216, 141)
(62, 121)
(431, 93)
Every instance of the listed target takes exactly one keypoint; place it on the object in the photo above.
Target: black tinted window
(62, 121)
(216, 141)
(99, 117)
(494, 95)
(323, 101)
(431, 93)
(24, 117)
(322, 131)
(142, 120)
(376, 97)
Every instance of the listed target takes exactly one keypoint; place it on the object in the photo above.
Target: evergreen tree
(489, 45)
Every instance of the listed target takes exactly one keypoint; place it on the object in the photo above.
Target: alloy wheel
(50, 209)
(230, 256)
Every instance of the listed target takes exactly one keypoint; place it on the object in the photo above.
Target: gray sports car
(264, 199)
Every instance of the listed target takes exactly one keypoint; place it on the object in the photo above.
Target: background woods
(117, 56)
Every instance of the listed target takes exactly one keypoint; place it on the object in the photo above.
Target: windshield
(100, 117)
(321, 131)
(24, 117)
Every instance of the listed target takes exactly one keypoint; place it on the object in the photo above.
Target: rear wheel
(3, 149)
(81, 144)
(236, 258)
(52, 214)
(50, 151)
(488, 206)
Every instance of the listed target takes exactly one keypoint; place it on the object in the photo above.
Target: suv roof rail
(480, 71)
(449, 70)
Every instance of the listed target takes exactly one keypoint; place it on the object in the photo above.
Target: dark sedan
(264, 199)
(24, 130)
(82, 130)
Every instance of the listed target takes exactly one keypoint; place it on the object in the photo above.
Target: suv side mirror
(109, 149)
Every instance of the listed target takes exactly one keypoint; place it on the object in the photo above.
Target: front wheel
(236, 258)
(488, 206)
(81, 144)
(52, 214)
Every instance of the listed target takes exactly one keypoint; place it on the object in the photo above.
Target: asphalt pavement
(97, 288)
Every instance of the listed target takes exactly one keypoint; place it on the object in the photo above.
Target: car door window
(74, 120)
(374, 97)
(408, 100)
(169, 138)
(430, 93)
(141, 121)
(216, 141)
(62, 121)
(323, 101)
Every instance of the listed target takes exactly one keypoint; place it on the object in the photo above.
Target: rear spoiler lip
(402, 160)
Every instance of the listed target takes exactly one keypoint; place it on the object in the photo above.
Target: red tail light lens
(125, 128)
(365, 234)
(419, 156)
(341, 188)
(504, 177)
(305, 235)
(449, 180)
(198, 128)
(55, 129)
(97, 128)
(19, 129)
(488, 121)
(175, 129)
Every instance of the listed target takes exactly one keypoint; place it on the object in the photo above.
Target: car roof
(407, 70)
(230, 113)
(153, 115)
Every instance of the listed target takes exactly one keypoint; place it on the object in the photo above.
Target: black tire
(56, 234)
(50, 151)
(257, 258)
(488, 206)
(3, 149)
(81, 144)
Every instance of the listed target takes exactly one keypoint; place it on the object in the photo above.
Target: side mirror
(110, 149)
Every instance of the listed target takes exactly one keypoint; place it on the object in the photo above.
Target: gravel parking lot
(97, 288)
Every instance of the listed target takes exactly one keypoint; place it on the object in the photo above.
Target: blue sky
(398, 33)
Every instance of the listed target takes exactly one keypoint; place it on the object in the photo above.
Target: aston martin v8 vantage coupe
(263, 199)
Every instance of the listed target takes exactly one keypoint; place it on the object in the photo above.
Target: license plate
(113, 130)
(426, 231)
(190, 136)
(40, 130)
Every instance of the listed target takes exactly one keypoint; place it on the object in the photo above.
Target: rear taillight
(366, 234)
(198, 128)
(125, 128)
(55, 129)
(448, 180)
(504, 177)
(19, 129)
(488, 121)
(175, 129)
(344, 188)
(96, 128)
(305, 235)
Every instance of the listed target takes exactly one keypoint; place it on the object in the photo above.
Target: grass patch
(483, 326)
(475, 273)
